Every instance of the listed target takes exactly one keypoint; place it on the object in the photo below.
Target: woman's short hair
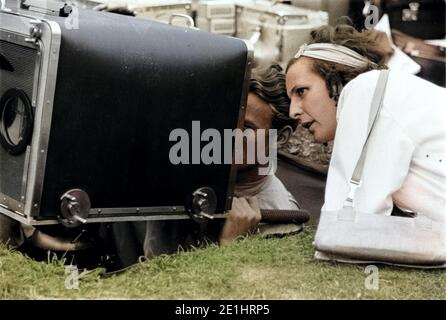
(269, 84)
(363, 42)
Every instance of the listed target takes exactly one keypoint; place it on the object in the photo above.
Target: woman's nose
(295, 110)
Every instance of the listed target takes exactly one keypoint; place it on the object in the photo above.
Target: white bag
(346, 235)
(357, 237)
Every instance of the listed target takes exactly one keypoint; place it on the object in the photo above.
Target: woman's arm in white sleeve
(386, 167)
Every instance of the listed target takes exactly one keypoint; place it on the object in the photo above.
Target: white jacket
(406, 159)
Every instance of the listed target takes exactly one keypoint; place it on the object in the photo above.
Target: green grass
(252, 268)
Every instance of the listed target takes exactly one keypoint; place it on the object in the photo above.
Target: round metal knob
(74, 208)
(202, 205)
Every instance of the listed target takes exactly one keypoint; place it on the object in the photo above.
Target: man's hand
(243, 218)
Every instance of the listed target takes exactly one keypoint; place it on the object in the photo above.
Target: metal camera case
(104, 98)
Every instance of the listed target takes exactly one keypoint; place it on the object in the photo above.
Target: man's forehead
(258, 108)
(257, 103)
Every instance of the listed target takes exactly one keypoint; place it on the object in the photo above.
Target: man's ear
(283, 135)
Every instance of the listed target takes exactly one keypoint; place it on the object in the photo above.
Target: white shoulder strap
(375, 109)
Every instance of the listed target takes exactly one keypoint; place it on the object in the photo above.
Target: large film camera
(87, 106)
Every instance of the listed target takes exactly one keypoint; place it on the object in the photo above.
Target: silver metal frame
(15, 28)
(19, 205)
(19, 38)
(95, 217)
(241, 119)
(50, 42)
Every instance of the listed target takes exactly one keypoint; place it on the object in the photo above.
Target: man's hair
(337, 75)
(269, 84)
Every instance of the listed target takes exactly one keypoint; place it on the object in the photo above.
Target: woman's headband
(333, 53)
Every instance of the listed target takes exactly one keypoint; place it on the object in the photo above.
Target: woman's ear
(284, 135)
(336, 92)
